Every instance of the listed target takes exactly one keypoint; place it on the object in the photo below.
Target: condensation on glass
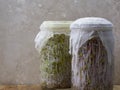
(52, 43)
(91, 46)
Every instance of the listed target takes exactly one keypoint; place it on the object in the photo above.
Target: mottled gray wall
(19, 24)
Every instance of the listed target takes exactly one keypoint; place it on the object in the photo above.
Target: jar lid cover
(55, 24)
(91, 23)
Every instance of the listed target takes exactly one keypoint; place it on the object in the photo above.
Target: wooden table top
(33, 87)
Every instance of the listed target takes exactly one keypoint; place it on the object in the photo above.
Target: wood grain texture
(33, 87)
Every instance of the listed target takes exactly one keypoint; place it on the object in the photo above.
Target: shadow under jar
(91, 47)
(52, 43)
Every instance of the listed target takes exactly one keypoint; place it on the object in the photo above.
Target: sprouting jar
(52, 43)
(91, 46)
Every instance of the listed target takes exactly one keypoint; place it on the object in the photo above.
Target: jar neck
(103, 29)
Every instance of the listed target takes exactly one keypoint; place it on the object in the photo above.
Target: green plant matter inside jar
(55, 60)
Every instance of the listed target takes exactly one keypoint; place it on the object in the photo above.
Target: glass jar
(52, 43)
(91, 46)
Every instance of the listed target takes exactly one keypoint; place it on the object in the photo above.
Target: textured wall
(19, 24)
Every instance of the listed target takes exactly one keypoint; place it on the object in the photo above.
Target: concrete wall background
(19, 24)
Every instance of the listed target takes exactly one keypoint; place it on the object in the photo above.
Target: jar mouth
(55, 25)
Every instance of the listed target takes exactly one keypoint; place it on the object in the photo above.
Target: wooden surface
(33, 87)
